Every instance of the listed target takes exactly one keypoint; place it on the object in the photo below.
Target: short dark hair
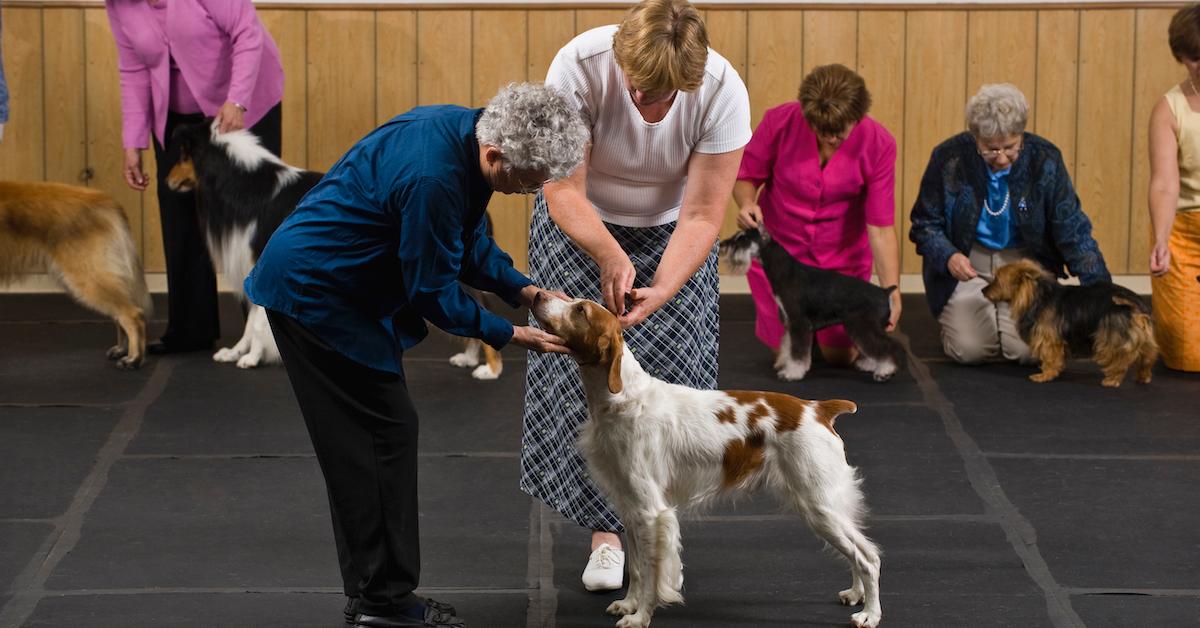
(1184, 33)
(833, 97)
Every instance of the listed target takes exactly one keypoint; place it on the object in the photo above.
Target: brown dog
(1103, 321)
(84, 235)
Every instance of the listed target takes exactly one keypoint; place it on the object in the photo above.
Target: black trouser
(364, 430)
(192, 318)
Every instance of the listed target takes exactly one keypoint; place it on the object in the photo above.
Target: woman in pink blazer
(827, 174)
(182, 61)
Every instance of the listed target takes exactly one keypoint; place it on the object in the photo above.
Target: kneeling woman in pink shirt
(820, 174)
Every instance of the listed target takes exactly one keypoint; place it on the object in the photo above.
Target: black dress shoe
(163, 348)
(353, 605)
(433, 617)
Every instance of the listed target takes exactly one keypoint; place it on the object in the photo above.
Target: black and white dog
(243, 193)
(811, 298)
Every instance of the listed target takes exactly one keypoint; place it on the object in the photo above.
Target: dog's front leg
(646, 558)
(1051, 350)
(234, 353)
(628, 605)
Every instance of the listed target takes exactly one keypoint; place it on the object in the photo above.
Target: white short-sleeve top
(637, 169)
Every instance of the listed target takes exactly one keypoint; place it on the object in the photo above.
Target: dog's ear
(611, 349)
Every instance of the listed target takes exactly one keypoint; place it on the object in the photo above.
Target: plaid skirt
(678, 344)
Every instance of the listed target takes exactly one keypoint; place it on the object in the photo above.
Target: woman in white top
(635, 229)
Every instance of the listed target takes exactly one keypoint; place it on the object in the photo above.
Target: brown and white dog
(655, 447)
(84, 236)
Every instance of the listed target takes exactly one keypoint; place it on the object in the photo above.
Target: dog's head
(1016, 283)
(741, 247)
(191, 139)
(591, 332)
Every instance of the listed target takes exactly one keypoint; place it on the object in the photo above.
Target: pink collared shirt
(223, 52)
(819, 215)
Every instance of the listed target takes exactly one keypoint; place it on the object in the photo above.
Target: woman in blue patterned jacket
(990, 196)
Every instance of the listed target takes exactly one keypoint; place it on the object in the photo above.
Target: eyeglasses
(522, 187)
(992, 154)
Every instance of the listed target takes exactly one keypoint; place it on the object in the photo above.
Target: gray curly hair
(536, 127)
(997, 109)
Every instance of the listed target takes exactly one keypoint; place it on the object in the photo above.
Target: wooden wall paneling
(287, 28)
(66, 111)
(881, 64)
(999, 50)
(500, 57)
(1105, 135)
(935, 94)
(547, 32)
(727, 32)
(22, 154)
(1155, 72)
(341, 77)
(444, 57)
(830, 37)
(587, 19)
(104, 146)
(395, 63)
(775, 59)
(1057, 81)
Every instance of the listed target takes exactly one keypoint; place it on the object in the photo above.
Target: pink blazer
(223, 52)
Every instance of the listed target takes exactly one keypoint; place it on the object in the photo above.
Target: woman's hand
(616, 280)
(535, 339)
(749, 216)
(646, 301)
(894, 317)
(960, 266)
(134, 176)
(1160, 259)
(230, 118)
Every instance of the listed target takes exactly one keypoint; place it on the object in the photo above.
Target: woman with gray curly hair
(990, 196)
(377, 248)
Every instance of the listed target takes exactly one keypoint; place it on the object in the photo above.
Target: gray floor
(186, 494)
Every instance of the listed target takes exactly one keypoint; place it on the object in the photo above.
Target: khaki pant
(975, 330)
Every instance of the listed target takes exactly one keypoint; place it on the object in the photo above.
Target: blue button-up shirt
(381, 243)
(998, 232)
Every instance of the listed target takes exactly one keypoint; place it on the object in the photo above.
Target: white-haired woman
(636, 230)
(377, 248)
(989, 196)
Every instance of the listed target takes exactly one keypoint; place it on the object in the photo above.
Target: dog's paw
(484, 371)
(1042, 378)
(637, 620)
(624, 606)
(116, 352)
(792, 372)
(851, 597)
(1143, 379)
(227, 354)
(128, 363)
(1111, 382)
(866, 363)
(248, 361)
(863, 619)
(464, 360)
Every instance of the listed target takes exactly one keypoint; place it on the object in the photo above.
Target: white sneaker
(605, 569)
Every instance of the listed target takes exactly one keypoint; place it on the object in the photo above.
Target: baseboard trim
(33, 283)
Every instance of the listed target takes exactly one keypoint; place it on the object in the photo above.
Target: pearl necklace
(1197, 93)
(1003, 207)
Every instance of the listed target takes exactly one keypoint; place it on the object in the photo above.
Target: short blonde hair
(833, 97)
(662, 45)
(996, 110)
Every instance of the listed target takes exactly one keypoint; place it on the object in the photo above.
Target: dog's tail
(830, 409)
(122, 256)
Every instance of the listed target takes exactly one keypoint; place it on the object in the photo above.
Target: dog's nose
(539, 297)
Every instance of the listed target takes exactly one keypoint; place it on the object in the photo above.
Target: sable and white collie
(655, 447)
(243, 193)
(84, 236)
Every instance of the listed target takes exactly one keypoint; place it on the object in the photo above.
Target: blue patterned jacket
(1052, 226)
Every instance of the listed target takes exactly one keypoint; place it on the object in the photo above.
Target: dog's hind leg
(1143, 332)
(843, 535)
(106, 292)
(132, 322)
(121, 349)
(880, 354)
(492, 366)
